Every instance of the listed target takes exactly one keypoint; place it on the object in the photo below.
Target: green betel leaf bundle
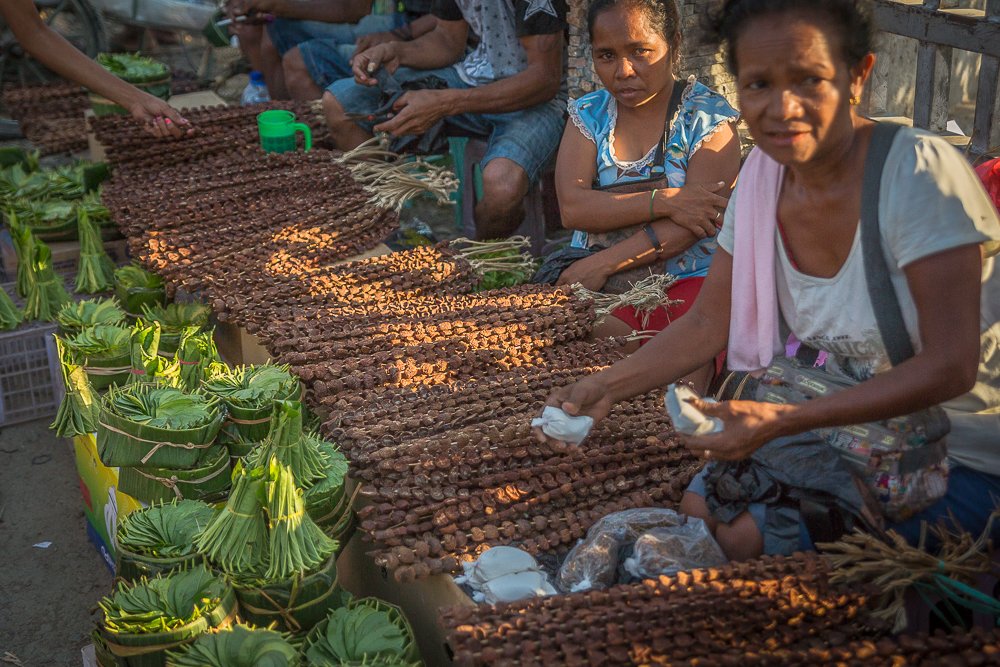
(196, 353)
(132, 67)
(46, 293)
(287, 443)
(24, 247)
(104, 349)
(237, 540)
(249, 393)
(173, 320)
(76, 316)
(95, 272)
(359, 634)
(237, 646)
(297, 544)
(136, 287)
(163, 603)
(10, 315)
(147, 364)
(168, 530)
(161, 406)
(79, 411)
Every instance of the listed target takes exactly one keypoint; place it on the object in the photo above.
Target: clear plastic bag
(597, 561)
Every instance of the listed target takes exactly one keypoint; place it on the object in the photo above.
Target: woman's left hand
(747, 426)
(589, 272)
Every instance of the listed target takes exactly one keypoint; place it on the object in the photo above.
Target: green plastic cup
(277, 130)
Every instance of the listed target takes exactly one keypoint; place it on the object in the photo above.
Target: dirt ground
(46, 595)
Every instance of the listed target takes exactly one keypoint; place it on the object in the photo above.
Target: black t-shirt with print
(533, 17)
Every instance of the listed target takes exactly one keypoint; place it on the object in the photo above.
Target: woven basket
(411, 654)
(295, 604)
(251, 425)
(105, 371)
(121, 442)
(209, 482)
(149, 650)
(130, 565)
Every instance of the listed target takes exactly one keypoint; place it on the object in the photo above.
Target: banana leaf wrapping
(328, 501)
(79, 411)
(336, 648)
(136, 288)
(105, 350)
(123, 442)
(10, 315)
(208, 481)
(195, 355)
(76, 316)
(148, 649)
(249, 393)
(147, 363)
(237, 646)
(174, 319)
(295, 604)
(95, 271)
(160, 538)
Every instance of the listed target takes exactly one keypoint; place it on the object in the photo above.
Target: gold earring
(855, 100)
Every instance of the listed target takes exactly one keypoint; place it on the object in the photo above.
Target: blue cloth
(286, 34)
(528, 137)
(702, 112)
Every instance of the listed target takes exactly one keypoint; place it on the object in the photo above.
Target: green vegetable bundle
(287, 443)
(326, 500)
(79, 410)
(249, 393)
(367, 631)
(24, 180)
(76, 316)
(237, 646)
(160, 538)
(196, 353)
(48, 219)
(297, 544)
(133, 67)
(24, 247)
(501, 263)
(10, 315)
(142, 620)
(96, 271)
(136, 288)
(105, 351)
(46, 293)
(147, 364)
(237, 540)
(173, 320)
(157, 426)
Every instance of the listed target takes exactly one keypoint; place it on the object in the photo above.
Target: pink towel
(753, 325)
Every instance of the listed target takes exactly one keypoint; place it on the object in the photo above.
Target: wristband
(652, 197)
(657, 246)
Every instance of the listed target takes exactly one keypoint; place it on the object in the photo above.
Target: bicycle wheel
(76, 20)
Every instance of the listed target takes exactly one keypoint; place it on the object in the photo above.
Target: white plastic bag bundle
(505, 574)
(686, 418)
(563, 427)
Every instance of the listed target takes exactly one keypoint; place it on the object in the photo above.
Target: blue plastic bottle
(256, 90)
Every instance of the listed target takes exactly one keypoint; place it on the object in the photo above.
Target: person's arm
(686, 345)
(49, 47)
(697, 206)
(718, 160)
(327, 11)
(945, 289)
(412, 30)
(418, 110)
(440, 47)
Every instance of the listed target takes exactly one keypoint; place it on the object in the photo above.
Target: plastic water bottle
(256, 90)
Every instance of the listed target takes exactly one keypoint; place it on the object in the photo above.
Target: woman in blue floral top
(641, 190)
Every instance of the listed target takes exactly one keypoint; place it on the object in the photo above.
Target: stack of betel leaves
(76, 316)
(365, 632)
(145, 73)
(236, 646)
(160, 538)
(135, 287)
(282, 566)
(142, 620)
(79, 411)
(249, 393)
(173, 319)
(105, 352)
(163, 440)
(37, 281)
(95, 271)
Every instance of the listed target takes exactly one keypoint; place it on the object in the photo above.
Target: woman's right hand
(695, 207)
(588, 397)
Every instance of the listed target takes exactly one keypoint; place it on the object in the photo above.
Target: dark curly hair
(662, 15)
(851, 18)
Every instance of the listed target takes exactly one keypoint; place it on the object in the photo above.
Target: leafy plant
(356, 634)
(175, 317)
(79, 315)
(195, 354)
(251, 387)
(79, 410)
(162, 603)
(237, 540)
(101, 341)
(160, 406)
(10, 315)
(289, 446)
(133, 67)
(96, 271)
(132, 276)
(236, 646)
(168, 530)
(297, 544)
(46, 293)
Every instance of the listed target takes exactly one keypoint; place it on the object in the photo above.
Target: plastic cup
(277, 130)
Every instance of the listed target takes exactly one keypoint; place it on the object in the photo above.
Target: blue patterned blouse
(702, 112)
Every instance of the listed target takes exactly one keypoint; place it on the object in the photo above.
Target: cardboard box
(420, 600)
(103, 504)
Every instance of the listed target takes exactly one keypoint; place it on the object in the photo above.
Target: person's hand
(366, 63)
(254, 10)
(697, 208)
(747, 426)
(371, 40)
(415, 112)
(588, 271)
(587, 397)
(159, 118)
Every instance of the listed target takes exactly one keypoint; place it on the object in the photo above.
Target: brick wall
(700, 55)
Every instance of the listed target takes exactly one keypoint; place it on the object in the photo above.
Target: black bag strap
(672, 106)
(883, 295)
